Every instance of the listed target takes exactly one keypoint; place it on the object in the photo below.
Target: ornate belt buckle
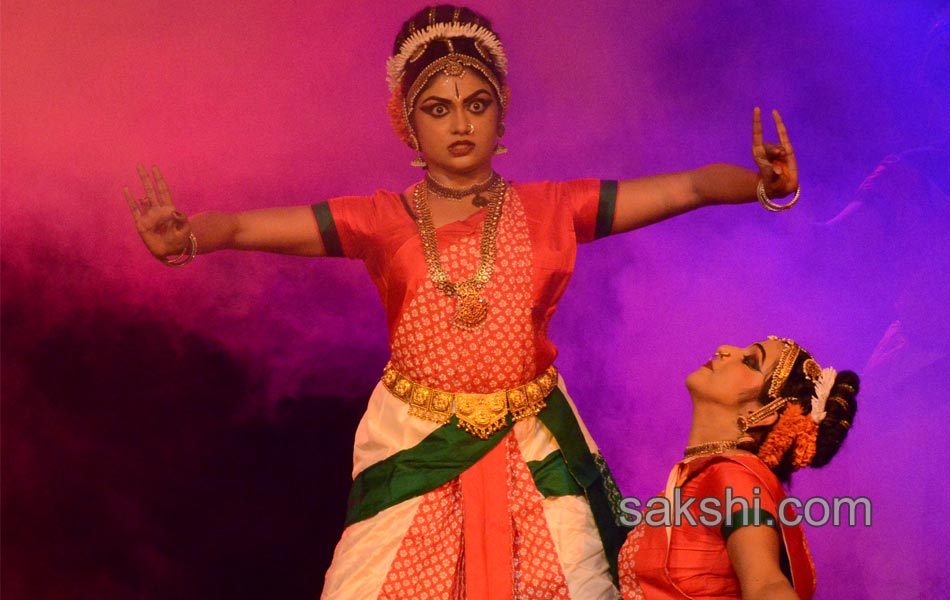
(481, 415)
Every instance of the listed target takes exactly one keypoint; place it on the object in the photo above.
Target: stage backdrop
(186, 433)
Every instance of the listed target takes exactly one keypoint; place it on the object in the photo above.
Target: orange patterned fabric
(431, 560)
(540, 227)
(537, 568)
(428, 564)
(428, 347)
(627, 565)
(694, 562)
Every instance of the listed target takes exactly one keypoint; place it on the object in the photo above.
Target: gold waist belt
(479, 414)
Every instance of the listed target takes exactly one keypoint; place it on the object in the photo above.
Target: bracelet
(769, 204)
(187, 255)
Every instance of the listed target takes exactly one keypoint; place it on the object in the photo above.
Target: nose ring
(471, 128)
(722, 354)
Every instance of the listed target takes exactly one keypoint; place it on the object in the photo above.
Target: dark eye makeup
(751, 361)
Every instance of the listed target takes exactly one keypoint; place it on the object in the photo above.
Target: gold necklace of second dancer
(471, 309)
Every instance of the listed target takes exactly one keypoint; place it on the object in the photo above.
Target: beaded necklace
(455, 194)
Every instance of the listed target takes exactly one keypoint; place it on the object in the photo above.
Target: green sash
(448, 451)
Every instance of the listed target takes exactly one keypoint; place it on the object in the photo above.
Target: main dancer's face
(456, 121)
(735, 374)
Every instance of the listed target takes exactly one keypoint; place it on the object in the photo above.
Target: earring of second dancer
(499, 147)
(418, 161)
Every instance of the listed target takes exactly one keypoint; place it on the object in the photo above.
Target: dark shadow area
(129, 472)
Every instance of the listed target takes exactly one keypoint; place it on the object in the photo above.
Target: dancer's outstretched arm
(647, 200)
(166, 231)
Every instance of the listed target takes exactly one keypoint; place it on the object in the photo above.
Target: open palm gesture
(165, 231)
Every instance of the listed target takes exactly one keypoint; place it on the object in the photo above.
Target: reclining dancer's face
(456, 121)
(735, 375)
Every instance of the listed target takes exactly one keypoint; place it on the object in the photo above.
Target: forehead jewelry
(780, 375)
(784, 365)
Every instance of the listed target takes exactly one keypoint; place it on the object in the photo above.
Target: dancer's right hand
(164, 230)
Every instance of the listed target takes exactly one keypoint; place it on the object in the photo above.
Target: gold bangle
(187, 255)
(770, 204)
(840, 402)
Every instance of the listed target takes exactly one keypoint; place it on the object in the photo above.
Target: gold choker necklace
(457, 194)
(709, 448)
(471, 309)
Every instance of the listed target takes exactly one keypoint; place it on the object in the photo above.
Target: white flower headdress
(416, 43)
(823, 384)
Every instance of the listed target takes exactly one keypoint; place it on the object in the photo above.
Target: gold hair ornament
(840, 402)
(784, 365)
(811, 369)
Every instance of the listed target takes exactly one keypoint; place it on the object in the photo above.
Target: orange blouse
(687, 561)
(540, 227)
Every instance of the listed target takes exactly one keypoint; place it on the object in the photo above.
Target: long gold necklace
(471, 309)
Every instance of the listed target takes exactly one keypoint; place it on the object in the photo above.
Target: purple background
(186, 433)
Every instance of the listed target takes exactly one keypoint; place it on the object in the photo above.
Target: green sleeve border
(606, 207)
(327, 227)
(745, 517)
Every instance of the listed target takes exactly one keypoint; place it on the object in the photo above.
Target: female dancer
(794, 414)
(473, 474)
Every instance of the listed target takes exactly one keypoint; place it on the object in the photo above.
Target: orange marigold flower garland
(793, 430)
(396, 116)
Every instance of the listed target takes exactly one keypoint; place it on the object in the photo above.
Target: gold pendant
(471, 309)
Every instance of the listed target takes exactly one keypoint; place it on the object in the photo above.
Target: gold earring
(501, 149)
(747, 421)
(418, 161)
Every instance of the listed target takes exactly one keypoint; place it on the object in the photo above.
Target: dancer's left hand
(776, 162)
